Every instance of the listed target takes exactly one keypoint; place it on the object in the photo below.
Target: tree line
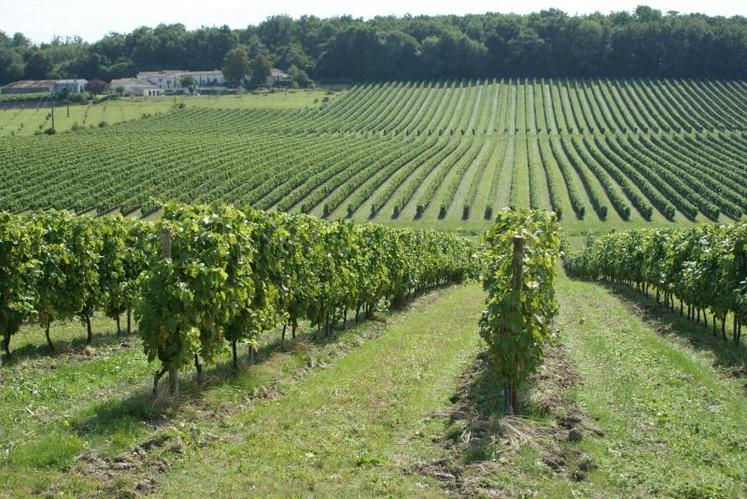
(644, 43)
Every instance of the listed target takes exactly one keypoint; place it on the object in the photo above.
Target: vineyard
(365, 329)
(308, 352)
(219, 274)
(591, 150)
(702, 268)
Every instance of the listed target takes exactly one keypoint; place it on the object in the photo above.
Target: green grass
(24, 122)
(279, 99)
(355, 428)
(59, 407)
(674, 419)
(574, 231)
(375, 406)
(661, 389)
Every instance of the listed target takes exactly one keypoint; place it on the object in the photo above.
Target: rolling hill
(592, 150)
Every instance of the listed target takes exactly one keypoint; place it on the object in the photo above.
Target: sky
(40, 20)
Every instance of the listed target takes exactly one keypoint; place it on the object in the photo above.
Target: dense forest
(645, 43)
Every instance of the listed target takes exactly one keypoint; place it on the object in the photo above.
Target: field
(37, 118)
(602, 153)
(279, 389)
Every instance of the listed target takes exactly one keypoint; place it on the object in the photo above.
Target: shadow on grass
(34, 351)
(479, 406)
(480, 426)
(140, 407)
(727, 355)
(123, 418)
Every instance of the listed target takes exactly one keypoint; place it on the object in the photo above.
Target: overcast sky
(91, 19)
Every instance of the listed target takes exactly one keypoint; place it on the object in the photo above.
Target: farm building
(45, 86)
(278, 77)
(134, 86)
(172, 79)
(29, 87)
(73, 86)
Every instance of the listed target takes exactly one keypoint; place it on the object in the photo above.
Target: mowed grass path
(60, 407)
(675, 420)
(355, 428)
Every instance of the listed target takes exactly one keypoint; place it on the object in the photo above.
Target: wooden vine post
(517, 272)
(166, 253)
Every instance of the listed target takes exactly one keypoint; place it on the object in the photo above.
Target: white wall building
(277, 76)
(172, 79)
(73, 86)
(134, 86)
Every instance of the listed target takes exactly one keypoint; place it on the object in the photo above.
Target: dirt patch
(482, 442)
(132, 472)
(135, 471)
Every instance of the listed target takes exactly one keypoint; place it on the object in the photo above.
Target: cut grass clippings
(638, 403)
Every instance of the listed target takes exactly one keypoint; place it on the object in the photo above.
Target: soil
(489, 439)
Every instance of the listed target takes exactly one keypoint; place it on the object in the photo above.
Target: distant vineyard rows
(597, 149)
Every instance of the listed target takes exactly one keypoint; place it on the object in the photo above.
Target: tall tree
(236, 65)
(38, 66)
(11, 66)
(548, 43)
(261, 70)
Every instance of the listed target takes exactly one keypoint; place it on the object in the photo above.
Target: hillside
(593, 150)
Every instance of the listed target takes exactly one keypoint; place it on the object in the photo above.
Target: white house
(172, 79)
(134, 86)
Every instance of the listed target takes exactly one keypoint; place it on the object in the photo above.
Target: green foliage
(69, 256)
(25, 97)
(407, 148)
(19, 272)
(236, 65)
(299, 77)
(703, 266)
(546, 43)
(260, 70)
(517, 322)
(125, 252)
(55, 265)
(236, 273)
(190, 298)
(188, 81)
